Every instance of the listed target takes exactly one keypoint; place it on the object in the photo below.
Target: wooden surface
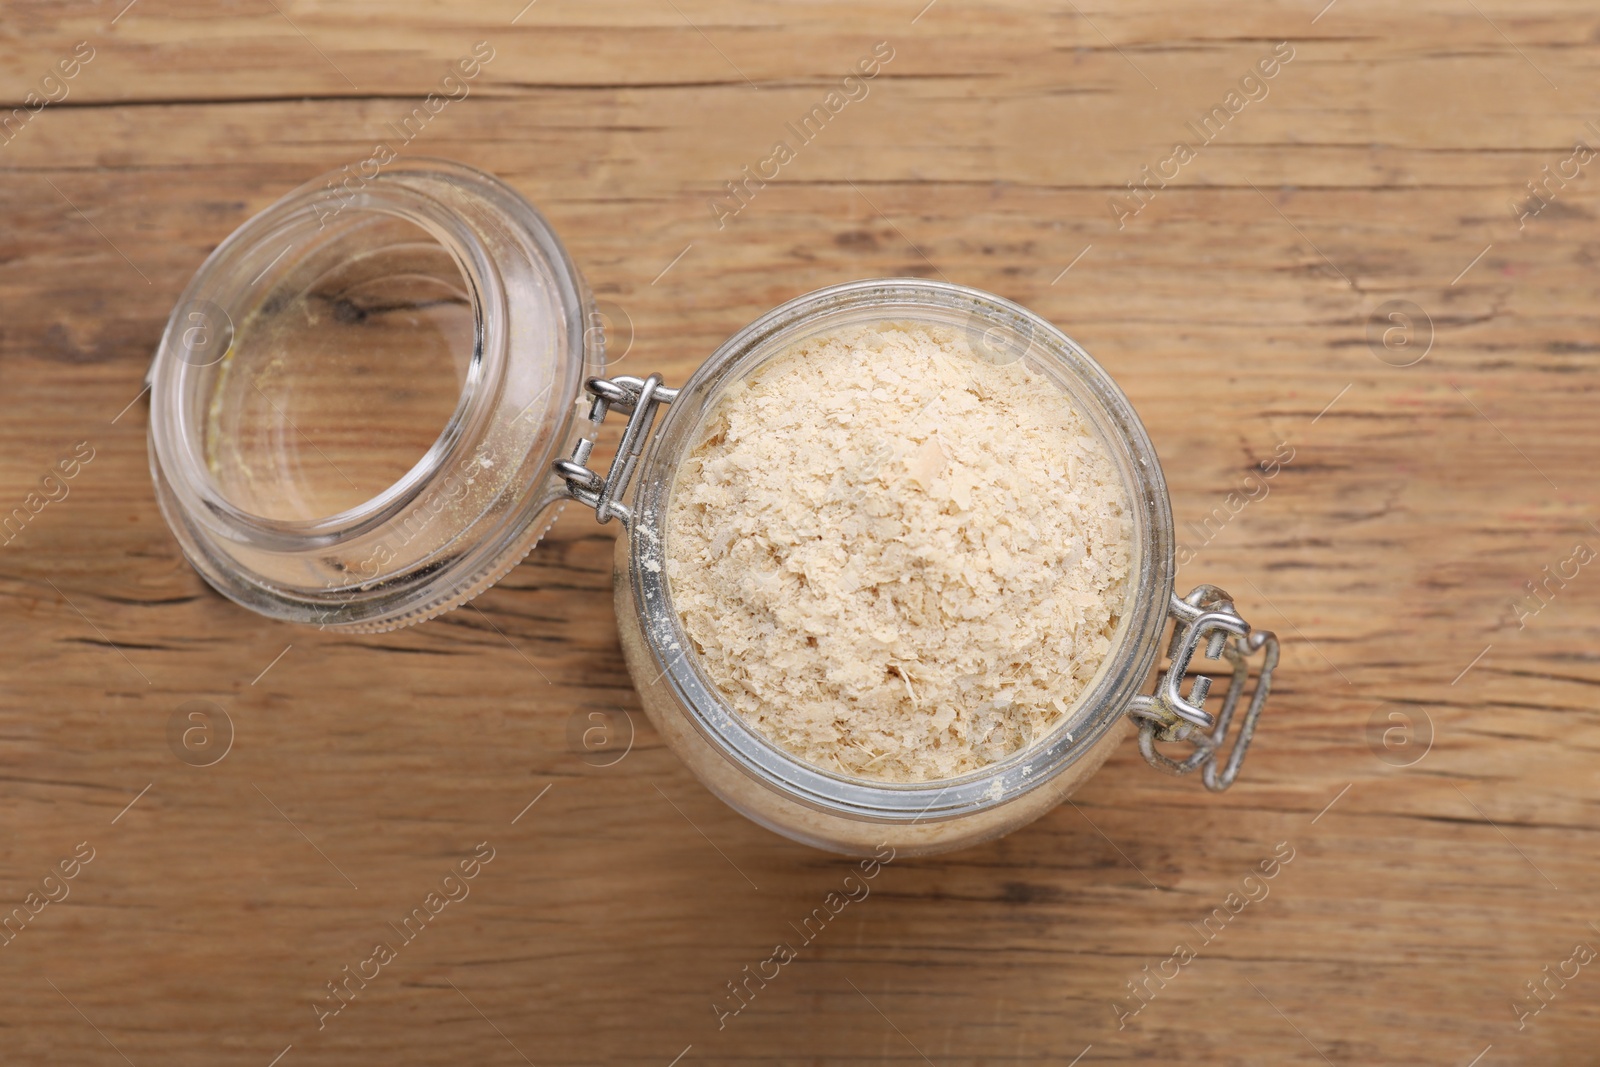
(1235, 310)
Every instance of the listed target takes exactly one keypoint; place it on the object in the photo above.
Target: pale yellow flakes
(895, 559)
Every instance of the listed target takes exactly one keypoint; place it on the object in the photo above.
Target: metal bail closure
(1206, 614)
(637, 397)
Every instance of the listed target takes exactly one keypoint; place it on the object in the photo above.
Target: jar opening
(345, 371)
(899, 548)
(999, 332)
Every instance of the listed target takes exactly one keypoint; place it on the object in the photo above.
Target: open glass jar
(320, 348)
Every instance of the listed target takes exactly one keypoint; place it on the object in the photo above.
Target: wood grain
(1235, 310)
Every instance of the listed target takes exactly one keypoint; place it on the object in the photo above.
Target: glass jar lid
(357, 401)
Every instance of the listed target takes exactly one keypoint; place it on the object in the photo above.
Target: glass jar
(431, 290)
(450, 298)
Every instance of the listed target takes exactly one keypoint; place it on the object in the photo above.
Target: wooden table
(1428, 758)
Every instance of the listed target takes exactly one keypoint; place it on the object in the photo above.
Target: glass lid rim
(492, 221)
